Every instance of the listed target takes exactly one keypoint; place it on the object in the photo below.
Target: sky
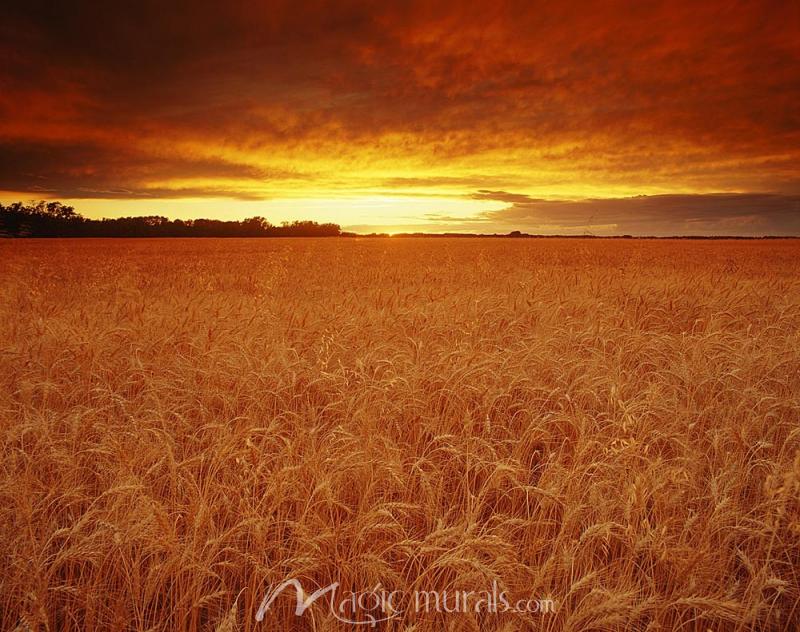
(545, 117)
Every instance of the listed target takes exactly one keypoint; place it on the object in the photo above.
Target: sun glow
(364, 213)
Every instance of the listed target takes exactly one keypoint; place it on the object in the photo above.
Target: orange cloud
(311, 100)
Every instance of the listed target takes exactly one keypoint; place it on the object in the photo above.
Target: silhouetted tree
(54, 219)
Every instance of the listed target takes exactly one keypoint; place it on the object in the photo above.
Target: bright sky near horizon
(609, 117)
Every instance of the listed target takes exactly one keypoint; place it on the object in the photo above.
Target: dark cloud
(503, 196)
(423, 66)
(726, 213)
(90, 170)
(450, 181)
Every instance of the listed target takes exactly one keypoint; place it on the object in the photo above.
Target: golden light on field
(609, 425)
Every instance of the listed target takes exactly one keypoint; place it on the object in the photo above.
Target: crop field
(607, 431)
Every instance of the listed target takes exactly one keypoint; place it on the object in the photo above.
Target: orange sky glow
(609, 117)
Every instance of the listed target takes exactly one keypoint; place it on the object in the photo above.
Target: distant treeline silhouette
(54, 219)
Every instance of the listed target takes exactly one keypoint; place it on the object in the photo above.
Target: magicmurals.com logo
(370, 607)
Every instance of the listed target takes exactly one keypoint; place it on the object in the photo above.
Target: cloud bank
(661, 215)
(261, 101)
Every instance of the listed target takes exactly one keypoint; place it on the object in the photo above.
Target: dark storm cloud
(404, 65)
(727, 213)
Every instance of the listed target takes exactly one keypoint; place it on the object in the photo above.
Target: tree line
(54, 219)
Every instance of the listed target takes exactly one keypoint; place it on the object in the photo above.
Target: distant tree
(56, 209)
(54, 219)
(256, 226)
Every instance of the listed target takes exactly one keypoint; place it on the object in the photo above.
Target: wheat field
(610, 424)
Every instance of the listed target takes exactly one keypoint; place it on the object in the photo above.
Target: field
(610, 425)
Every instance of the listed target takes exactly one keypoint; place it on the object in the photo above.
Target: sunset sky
(606, 117)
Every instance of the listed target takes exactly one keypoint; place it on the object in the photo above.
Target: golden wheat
(614, 425)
